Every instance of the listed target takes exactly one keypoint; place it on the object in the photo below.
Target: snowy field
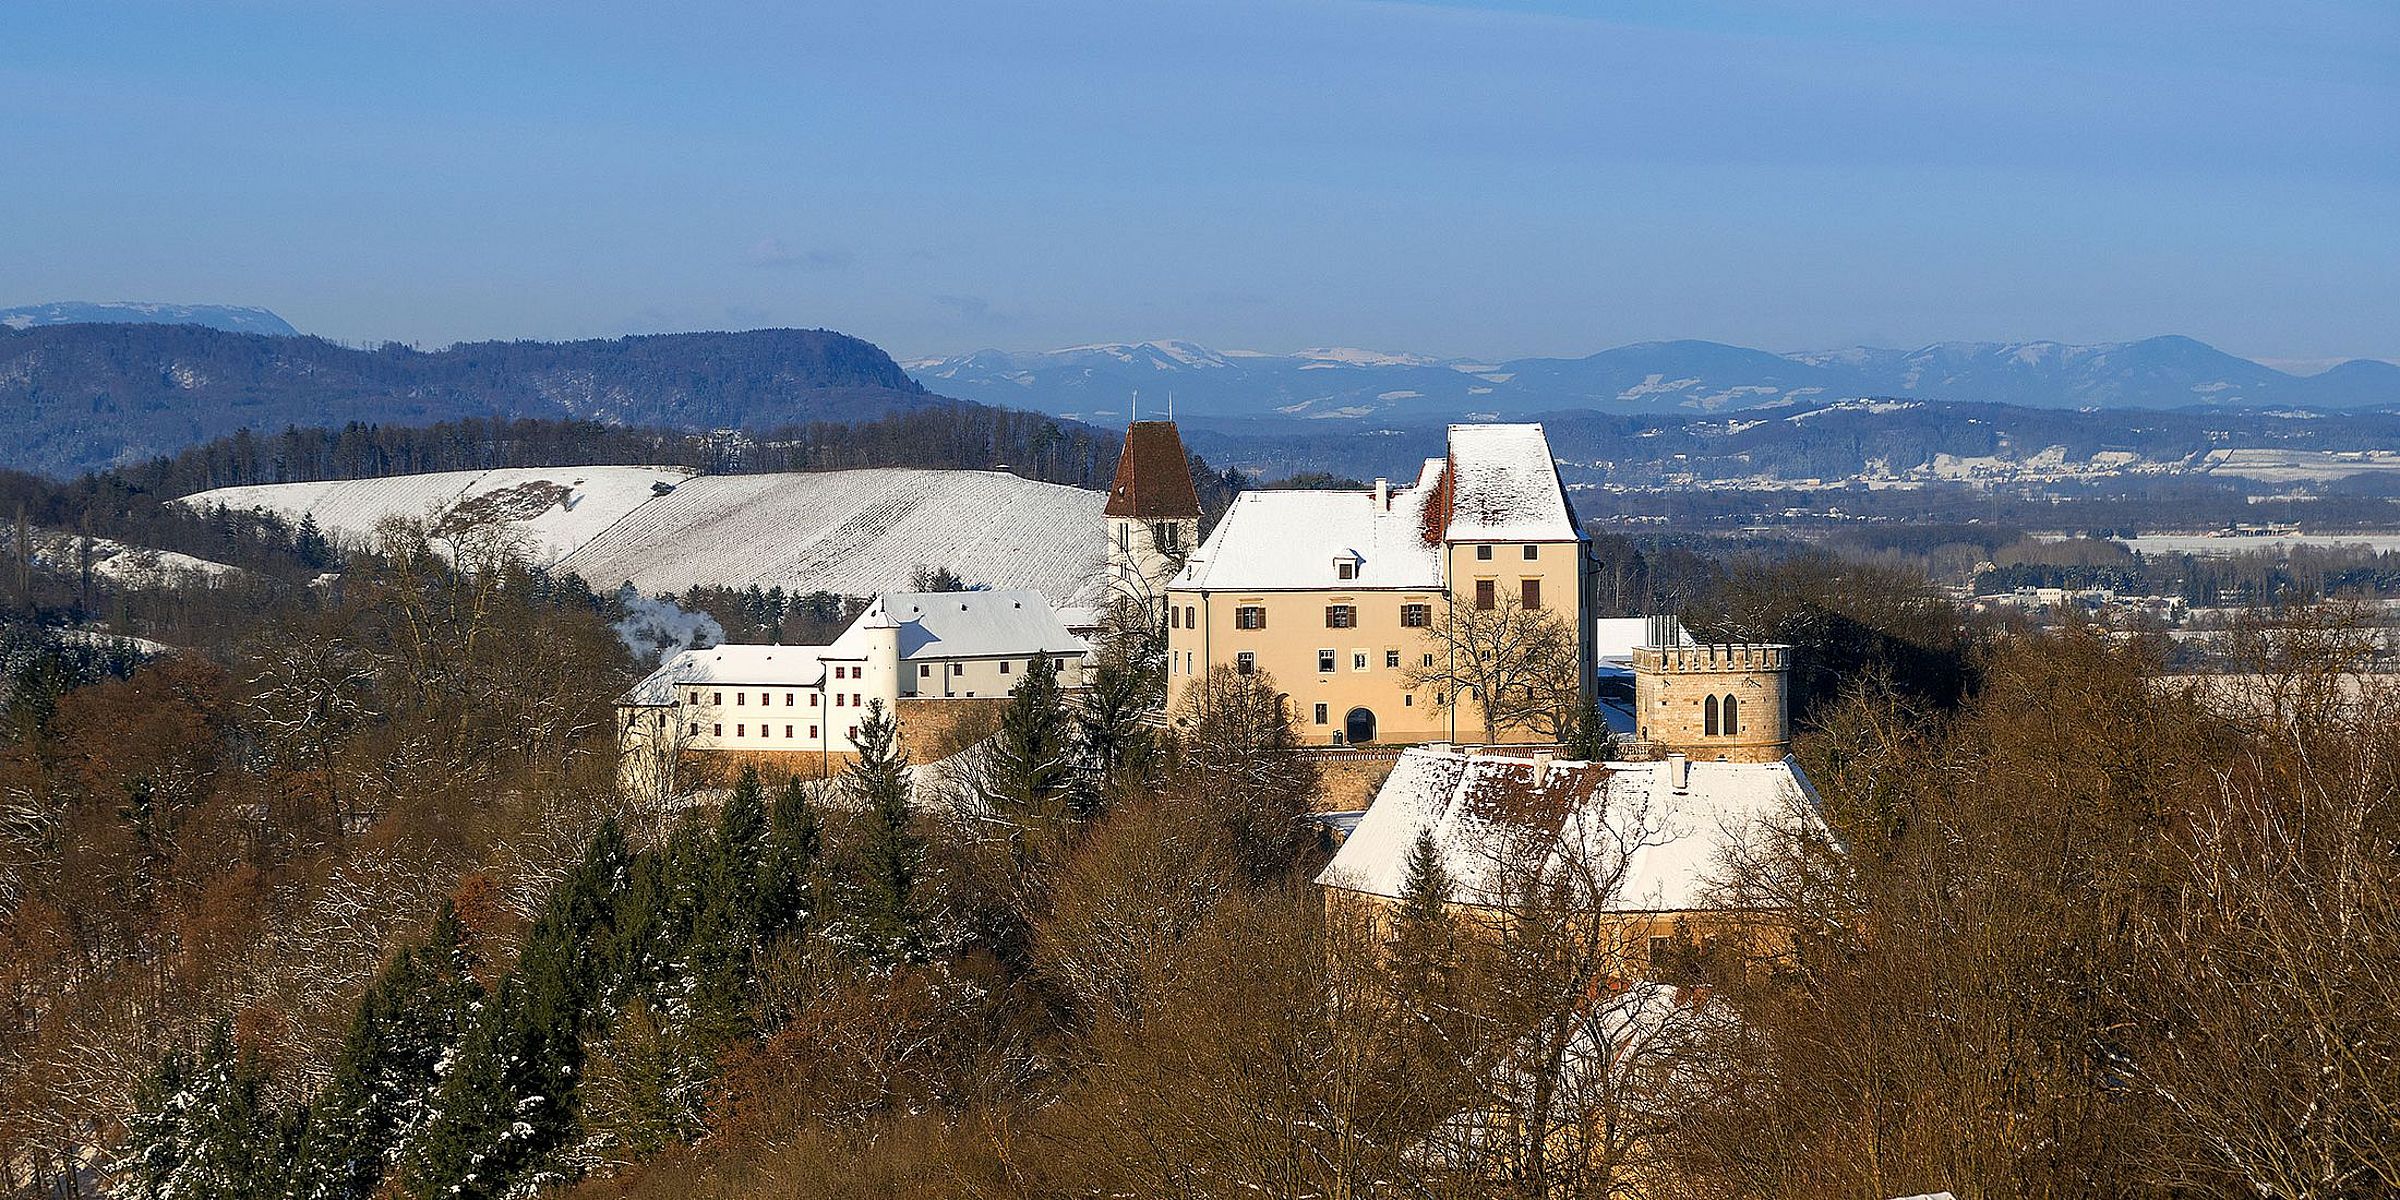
(854, 533)
(848, 532)
(556, 508)
(2219, 547)
(2300, 466)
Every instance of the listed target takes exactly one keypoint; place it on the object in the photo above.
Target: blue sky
(1490, 179)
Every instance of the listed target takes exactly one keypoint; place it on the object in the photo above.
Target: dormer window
(1346, 566)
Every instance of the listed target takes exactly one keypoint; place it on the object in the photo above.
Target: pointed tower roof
(1154, 480)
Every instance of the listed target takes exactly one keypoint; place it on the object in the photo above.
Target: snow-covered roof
(1481, 807)
(740, 663)
(983, 624)
(1507, 487)
(1285, 540)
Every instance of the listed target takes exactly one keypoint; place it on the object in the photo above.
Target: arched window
(1733, 716)
(1708, 710)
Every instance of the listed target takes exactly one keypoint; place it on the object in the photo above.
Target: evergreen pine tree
(1115, 747)
(877, 781)
(1590, 738)
(1422, 930)
(412, 1019)
(202, 1127)
(310, 545)
(1028, 766)
(509, 1104)
(787, 876)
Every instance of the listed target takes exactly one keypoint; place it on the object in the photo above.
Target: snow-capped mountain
(233, 318)
(1099, 382)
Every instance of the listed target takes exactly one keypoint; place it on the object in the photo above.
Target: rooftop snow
(1671, 845)
(992, 624)
(778, 666)
(1282, 540)
(1507, 487)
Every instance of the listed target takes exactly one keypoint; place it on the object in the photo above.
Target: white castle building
(802, 701)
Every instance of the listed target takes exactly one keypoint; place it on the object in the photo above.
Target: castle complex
(1352, 600)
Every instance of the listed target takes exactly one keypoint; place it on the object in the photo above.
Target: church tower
(1153, 513)
(1713, 702)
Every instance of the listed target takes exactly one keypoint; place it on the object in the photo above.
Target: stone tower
(1153, 514)
(1715, 702)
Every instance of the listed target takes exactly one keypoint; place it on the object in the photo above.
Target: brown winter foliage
(240, 829)
(2076, 933)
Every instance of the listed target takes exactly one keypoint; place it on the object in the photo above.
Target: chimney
(1679, 772)
(1383, 494)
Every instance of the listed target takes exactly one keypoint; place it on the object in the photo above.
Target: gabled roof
(738, 664)
(1154, 479)
(1479, 807)
(1505, 486)
(980, 624)
(1291, 539)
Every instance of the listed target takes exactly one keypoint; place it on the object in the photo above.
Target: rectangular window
(1004, 666)
(788, 700)
(854, 733)
(924, 670)
(716, 697)
(1416, 616)
(1486, 595)
(1483, 553)
(1358, 660)
(1533, 553)
(1250, 616)
(1340, 616)
(1244, 663)
(741, 730)
(1324, 660)
(716, 730)
(837, 699)
(1391, 659)
(1062, 664)
(1191, 617)
(812, 731)
(1174, 616)
(812, 699)
(1408, 699)
(1346, 569)
(1320, 714)
(787, 731)
(958, 668)
(1429, 658)
(740, 699)
(1530, 593)
(695, 729)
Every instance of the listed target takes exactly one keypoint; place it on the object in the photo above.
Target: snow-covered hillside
(855, 533)
(848, 532)
(556, 508)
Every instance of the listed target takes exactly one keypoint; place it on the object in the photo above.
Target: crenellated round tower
(1715, 702)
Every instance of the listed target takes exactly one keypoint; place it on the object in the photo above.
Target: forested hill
(82, 397)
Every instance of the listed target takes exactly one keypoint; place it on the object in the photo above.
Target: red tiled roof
(1154, 480)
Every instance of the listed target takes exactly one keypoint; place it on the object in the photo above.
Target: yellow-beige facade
(1337, 595)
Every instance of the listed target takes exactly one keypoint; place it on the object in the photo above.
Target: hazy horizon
(1494, 180)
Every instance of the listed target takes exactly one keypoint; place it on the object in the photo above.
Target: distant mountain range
(83, 396)
(229, 317)
(1096, 383)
